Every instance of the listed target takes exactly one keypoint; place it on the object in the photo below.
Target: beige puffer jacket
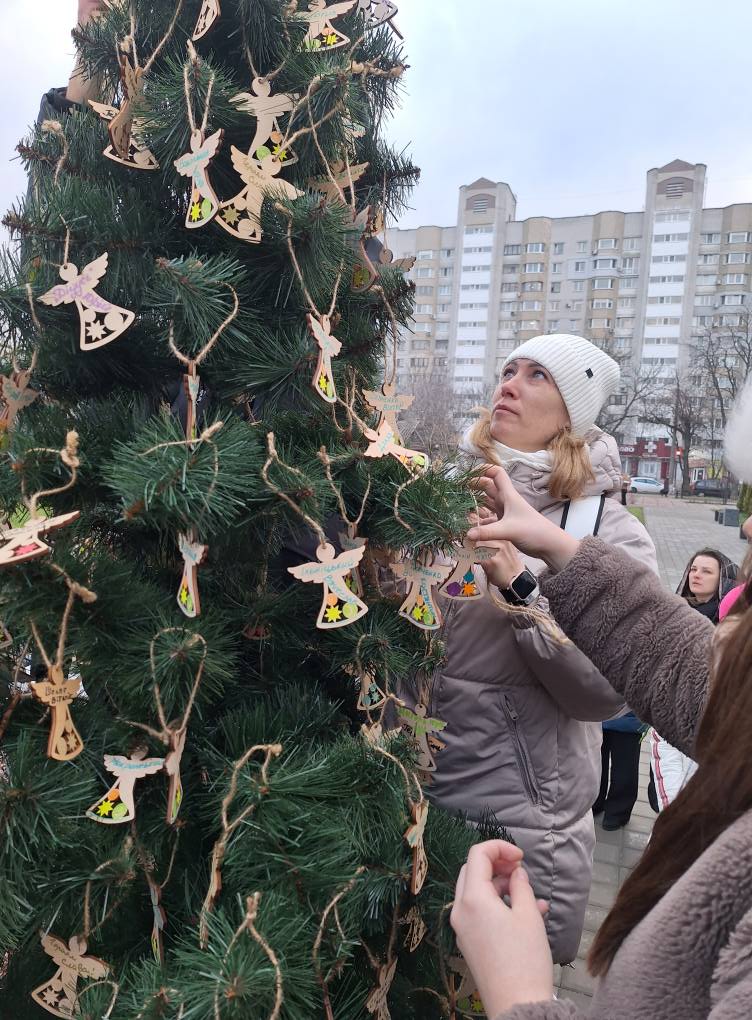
(523, 714)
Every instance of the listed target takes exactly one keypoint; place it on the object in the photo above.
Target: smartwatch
(523, 590)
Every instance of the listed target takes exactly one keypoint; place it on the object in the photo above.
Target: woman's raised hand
(506, 947)
(517, 522)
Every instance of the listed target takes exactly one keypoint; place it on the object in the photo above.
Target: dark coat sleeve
(651, 646)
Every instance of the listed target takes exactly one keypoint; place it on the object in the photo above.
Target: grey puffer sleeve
(556, 1009)
(651, 646)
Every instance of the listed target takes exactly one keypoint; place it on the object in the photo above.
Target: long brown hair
(718, 793)
(571, 468)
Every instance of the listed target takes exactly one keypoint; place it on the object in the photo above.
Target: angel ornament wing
(24, 543)
(210, 11)
(241, 215)
(329, 347)
(125, 145)
(118, 805)
(16, 395)
(376, 1003)
(101, 321)
(321, 34)
(389, 403)
(59, 995)
(461, 583)
(266, 108)
(383, 443)
(204, 203)
(339, 606)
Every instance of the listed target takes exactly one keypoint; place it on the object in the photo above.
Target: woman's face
(704, 577)
(528, 410)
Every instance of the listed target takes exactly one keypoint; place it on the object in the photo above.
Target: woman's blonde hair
(571, 468)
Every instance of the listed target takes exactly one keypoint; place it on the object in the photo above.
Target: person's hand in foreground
(517, 522)
(87, 9)
(505, 947)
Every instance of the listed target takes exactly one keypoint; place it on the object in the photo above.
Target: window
(603, 283)
(702, 320)
(533, 267)
(625, 322)
(424, 291)
(628, 283)
(532, 306)
(738, 237)
(663, 320)
(631, 243)
(487, 229)
(474, 286)
(425, 254)
(553, 306)
(419, 362)
(627, 302)
(713, 238)
(422, 327)
(507, 323)
(445, 290)
(578, 286)
(446, 271)
(480, 204)
(737, 258)
(582, 246)
(424, 309)
(472, 324)
(508, 306)
(510, 288)
(556, 267)
(604, 263)
(705, 299)
(735, 278)
(424, 271)
(599, 323)
(602, 303)
(709, 260)
(669, 258)
(606, 242)
(476, 269)
(666, 299)
(666, 362)
(671, 217)
(448, 253)
(558, 248)
(512, 249)
(506, 270)
(442, 309)
(556, 288)
(476, 249)
(469, 361)
(529, 324)
(666, 279)
(419, 345)
(533, 285)
(553, 323)
(535, 248)
(630, 264)
(576, 306)
(674, 189)
(732, 299)
(707, 280)
(474, 304)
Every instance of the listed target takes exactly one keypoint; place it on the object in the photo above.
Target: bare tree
(638, 387)
(723, 351)
(440, 413)
(683, 406)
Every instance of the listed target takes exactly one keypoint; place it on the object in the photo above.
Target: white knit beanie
(584, 375)
(738, 444)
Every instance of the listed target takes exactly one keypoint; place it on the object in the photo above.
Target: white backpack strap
(582, 517)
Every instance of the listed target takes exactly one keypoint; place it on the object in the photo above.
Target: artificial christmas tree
(267, 849)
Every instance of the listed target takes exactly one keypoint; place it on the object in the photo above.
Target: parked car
(718, 487)
(641, 483)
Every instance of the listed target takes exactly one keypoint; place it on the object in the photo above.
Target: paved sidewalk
(678, 529)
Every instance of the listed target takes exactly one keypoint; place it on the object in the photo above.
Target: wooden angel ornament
(266, 108)
(342, 177)
(389, 403)
(321, 34)
(172, 768)
(210, 11)
(417, 928)
(16, 394)
(377, 12)
(383, 443)
(159, 919)
(204, 203)
(339, 606)
(101, 321)
(59, 995)
(329, 347)
(466, 995)
(118, 805)
(192, 387)
(125, 146)
(371, 696)
(17, 545)
(420, 606)
(414, 839)
(349, 540)
(241, 215)
(376, 1003)
(461, 583)
(194, 554)
(64, 741)
(421, 728)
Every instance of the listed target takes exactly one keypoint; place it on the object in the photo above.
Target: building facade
(643, 284)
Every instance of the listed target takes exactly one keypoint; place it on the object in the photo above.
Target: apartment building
(644, 282)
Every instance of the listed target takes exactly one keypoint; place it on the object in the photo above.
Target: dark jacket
(726, 582)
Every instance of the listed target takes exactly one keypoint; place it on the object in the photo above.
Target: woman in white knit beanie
(522, 706)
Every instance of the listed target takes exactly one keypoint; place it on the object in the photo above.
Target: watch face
(524, 585)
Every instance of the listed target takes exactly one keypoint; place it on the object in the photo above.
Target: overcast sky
(570, 103)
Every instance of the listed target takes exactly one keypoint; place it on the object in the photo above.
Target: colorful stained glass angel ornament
(16, 395)
(241, 215)
(17, 545)
(172, 768)
(124, 129)
(266, 108)
(370, 697)
(389, 404)
(461, 583)
(383, 443)
(321, 34)
(376, 1003)
(329, 347)
(420, 606)
(64, 741)
(421, 727)
(204, 203)
(339, 606)
(210, 11)
(101, 321)
(59, 995)
(118, 805)
(194, 554)
(414, 839)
